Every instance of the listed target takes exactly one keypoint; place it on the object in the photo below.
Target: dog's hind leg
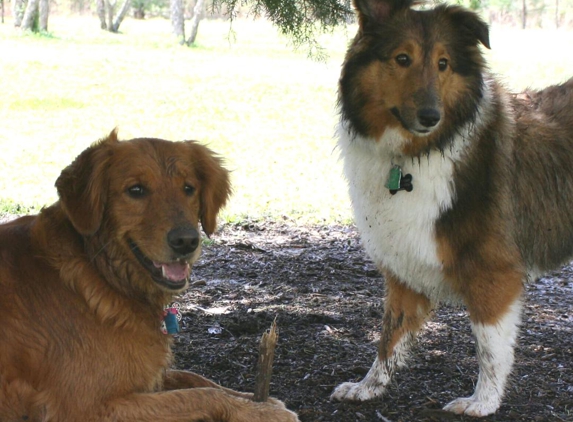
(404, 313)
(495, 343)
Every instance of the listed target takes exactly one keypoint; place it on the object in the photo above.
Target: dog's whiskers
(100, 250)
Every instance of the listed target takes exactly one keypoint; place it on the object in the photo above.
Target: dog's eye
(189, 190)
(442, 64)
(136, 191)
(403, 60)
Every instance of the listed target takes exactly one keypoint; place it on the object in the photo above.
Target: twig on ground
(265, 363)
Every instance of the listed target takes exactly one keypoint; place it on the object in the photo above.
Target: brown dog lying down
(83, 286)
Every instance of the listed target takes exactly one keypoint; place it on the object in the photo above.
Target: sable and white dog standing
(461, 191)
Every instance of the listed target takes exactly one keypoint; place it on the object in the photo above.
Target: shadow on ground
(326, 296)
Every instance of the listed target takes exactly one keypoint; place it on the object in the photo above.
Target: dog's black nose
(428, 117)
(183, 240)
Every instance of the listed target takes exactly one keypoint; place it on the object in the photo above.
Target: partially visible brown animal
(83, 287)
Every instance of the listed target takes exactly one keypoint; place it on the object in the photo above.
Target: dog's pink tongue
(175, 271)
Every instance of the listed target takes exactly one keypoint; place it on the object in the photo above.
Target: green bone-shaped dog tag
(394, 178)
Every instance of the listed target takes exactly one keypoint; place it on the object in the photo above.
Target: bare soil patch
(327, 298)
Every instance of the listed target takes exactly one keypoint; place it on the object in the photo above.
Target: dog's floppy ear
(215, 185)
(82, 187)
(377, 11)
(470, 25)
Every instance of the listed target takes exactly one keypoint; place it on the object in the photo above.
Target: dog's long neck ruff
(398, 231)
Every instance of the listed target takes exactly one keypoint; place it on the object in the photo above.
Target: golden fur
(81, 304)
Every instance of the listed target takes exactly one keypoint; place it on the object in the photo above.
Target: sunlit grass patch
(266, 108)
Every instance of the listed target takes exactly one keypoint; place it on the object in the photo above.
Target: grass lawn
(269, 110)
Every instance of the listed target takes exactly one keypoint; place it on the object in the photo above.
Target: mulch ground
(326, 297)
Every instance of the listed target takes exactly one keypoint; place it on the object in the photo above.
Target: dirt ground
(326, 297)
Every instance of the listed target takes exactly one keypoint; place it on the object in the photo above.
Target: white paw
(356, 391)
(472, 407)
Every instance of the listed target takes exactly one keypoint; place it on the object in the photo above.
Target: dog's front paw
(471, 406)
(356, 391)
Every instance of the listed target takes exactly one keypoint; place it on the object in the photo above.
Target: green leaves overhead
(300, 20)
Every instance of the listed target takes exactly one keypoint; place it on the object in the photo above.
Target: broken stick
(265, 364)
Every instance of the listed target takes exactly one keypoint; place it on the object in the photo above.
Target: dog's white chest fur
(398, 231)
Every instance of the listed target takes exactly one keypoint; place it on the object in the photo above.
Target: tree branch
(300, 20)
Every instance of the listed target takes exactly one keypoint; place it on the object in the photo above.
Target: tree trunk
(139, 12)
(105, 12)
(109, 14)
(2, 5)
(556, 13)
(119, 19)
(100, 6)
(197, 16)
(18, 7)
(178, 20)
(30, 19)
(44, 10)
(524, 15)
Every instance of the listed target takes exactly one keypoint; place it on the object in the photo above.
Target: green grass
(269, 110)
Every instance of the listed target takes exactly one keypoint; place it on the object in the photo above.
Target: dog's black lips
(155, 272)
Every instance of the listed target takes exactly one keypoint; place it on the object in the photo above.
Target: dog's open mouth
(172, 275)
